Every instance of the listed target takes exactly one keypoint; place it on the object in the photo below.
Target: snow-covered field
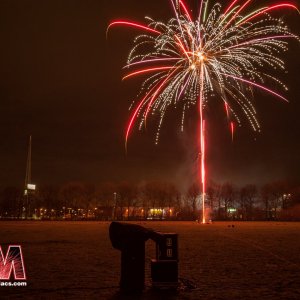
(75, 260)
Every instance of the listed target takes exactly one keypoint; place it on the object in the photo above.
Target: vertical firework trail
(224, 53)
(202, 142)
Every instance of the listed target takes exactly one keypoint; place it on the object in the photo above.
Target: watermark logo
(12, 265)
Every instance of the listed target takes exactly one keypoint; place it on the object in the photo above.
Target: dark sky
(60, 80)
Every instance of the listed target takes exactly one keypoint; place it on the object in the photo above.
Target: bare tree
(227, 196)
(266, 195)
(10, 202)
(150, 192)
(193, 197)
(106, 200)
(127, 197)
(72, 197)
(48, 197)
(213, 198)
(248, 196)
(172, 193)
(295, 196)
(89, 197)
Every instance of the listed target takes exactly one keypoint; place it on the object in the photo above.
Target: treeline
(278, 200)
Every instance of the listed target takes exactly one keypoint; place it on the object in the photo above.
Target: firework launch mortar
(130, 240)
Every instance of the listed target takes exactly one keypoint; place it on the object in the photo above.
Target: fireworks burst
(223, 52)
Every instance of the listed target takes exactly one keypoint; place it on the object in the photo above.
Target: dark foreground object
(130, 240)
(164, 274)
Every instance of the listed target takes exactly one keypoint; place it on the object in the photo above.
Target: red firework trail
(230, 6)
(269, 9)
(238, 12)
(133, 24)
(147, 70)
(185, 10)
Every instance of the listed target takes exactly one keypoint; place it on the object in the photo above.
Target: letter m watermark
(13, 261)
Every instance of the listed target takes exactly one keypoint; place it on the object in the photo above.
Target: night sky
(60, 80)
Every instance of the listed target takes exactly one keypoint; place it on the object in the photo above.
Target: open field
(75, 260)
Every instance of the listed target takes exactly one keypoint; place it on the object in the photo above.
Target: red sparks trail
(132, 119)
(181, 46)
(227, 109)
(261, 40)
(203, 171)
(156, 93)
(147, 70)
(237, 13)
(135, 113)
(132, 24)
(257, 85)
(185, 10)
(230, 6)
(270, 8)
(151, 61)
(202, 143)
(143, 101)
(232, 130)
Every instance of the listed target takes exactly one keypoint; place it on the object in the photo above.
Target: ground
(75, 260)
